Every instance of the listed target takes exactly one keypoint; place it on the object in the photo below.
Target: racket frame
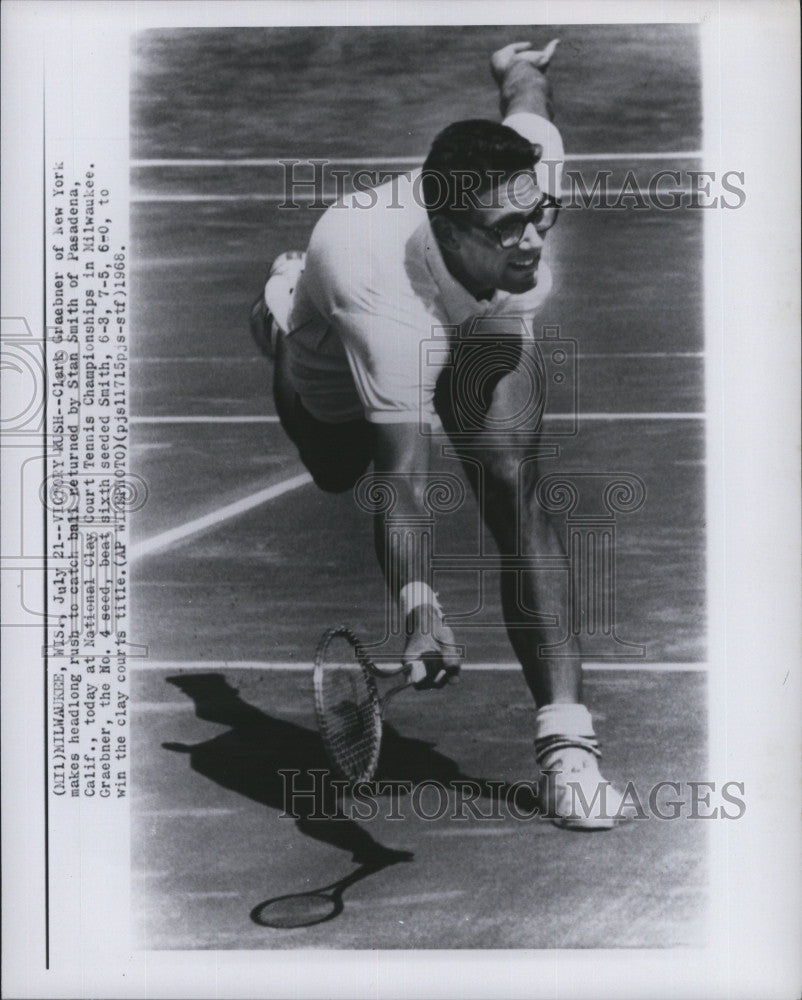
(377, 702)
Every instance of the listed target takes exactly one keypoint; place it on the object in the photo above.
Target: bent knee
(511, 470)
(336, 480)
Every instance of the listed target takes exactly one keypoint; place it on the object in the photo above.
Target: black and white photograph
(438, 403)
(405, 511)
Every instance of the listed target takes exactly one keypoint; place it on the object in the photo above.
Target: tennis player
(461, 241)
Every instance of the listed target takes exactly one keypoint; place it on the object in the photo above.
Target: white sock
(560, 726)
(563, 720)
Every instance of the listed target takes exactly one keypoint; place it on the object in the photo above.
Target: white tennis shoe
(270, 313)
(574, 795)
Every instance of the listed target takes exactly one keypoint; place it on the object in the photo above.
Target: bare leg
(284, 391)
(511, 512)
(550, 679)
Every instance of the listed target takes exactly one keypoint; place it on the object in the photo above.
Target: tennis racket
(348, 705)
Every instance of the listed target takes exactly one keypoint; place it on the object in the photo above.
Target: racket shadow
(248, 759)
(306, 909)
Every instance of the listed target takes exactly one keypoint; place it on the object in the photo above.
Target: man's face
(484, 263)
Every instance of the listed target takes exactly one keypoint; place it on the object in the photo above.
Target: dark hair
(467, 159)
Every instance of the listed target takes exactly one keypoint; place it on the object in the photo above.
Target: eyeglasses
(510, 232)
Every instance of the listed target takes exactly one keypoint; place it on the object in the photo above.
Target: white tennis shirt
(375, 288)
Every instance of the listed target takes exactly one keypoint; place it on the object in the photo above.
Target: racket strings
(348, 707)
(350, 717)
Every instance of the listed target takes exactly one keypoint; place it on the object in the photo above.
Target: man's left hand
(503, 59)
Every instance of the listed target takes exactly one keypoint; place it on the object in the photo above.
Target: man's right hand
(503, 59)
(431, 653)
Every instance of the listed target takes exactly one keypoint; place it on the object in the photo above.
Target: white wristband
(414, 594)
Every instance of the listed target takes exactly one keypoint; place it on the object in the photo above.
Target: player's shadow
(249, 757)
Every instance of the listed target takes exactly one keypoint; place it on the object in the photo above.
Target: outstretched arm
(404, 549)
(520, 72)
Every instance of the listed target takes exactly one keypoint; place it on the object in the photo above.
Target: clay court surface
(257, 562)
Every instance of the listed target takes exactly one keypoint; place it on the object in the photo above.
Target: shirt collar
(458, 301)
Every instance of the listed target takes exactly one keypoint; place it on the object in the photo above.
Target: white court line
(214, 518)
(212, 360)
(217, 360)
(162, 707)
(211, 894)
(626, 416)
(294, 666)
(371, 161)
(189, 811)
(272, 419)
(171, 707)
(638, 354)
(475, 831)
(327, 199)
(269, 198)
(251, 419)
(410, 900)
